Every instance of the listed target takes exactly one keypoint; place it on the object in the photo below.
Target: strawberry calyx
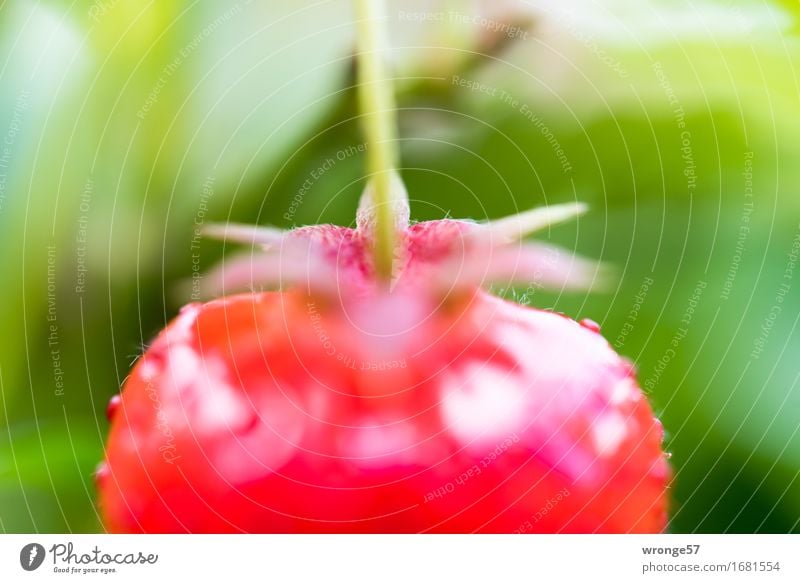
(440, 257)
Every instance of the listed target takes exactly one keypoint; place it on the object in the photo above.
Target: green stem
(376, 101)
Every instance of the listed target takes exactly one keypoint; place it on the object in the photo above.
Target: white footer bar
(382, 558)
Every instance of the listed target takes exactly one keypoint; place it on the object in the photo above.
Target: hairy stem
(376, 101)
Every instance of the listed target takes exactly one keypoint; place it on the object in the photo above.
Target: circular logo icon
(31, 556)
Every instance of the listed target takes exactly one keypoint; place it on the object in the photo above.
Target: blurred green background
(123, 123)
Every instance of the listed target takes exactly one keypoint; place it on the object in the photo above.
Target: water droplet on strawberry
(113, 406)
(590, 325)
(101, 473)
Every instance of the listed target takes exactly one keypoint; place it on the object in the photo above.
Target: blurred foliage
(120, 116)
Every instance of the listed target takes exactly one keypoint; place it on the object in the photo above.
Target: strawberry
(378, 387)
(340, 403)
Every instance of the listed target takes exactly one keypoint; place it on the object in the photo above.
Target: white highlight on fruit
(184, 366)
(484, 401)
(371, 444)
(608, 433)
(182, 328)
(214, 404)
(149, 370)
(624, 391)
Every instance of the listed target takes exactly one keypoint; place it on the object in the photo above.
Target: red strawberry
(341, 405)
